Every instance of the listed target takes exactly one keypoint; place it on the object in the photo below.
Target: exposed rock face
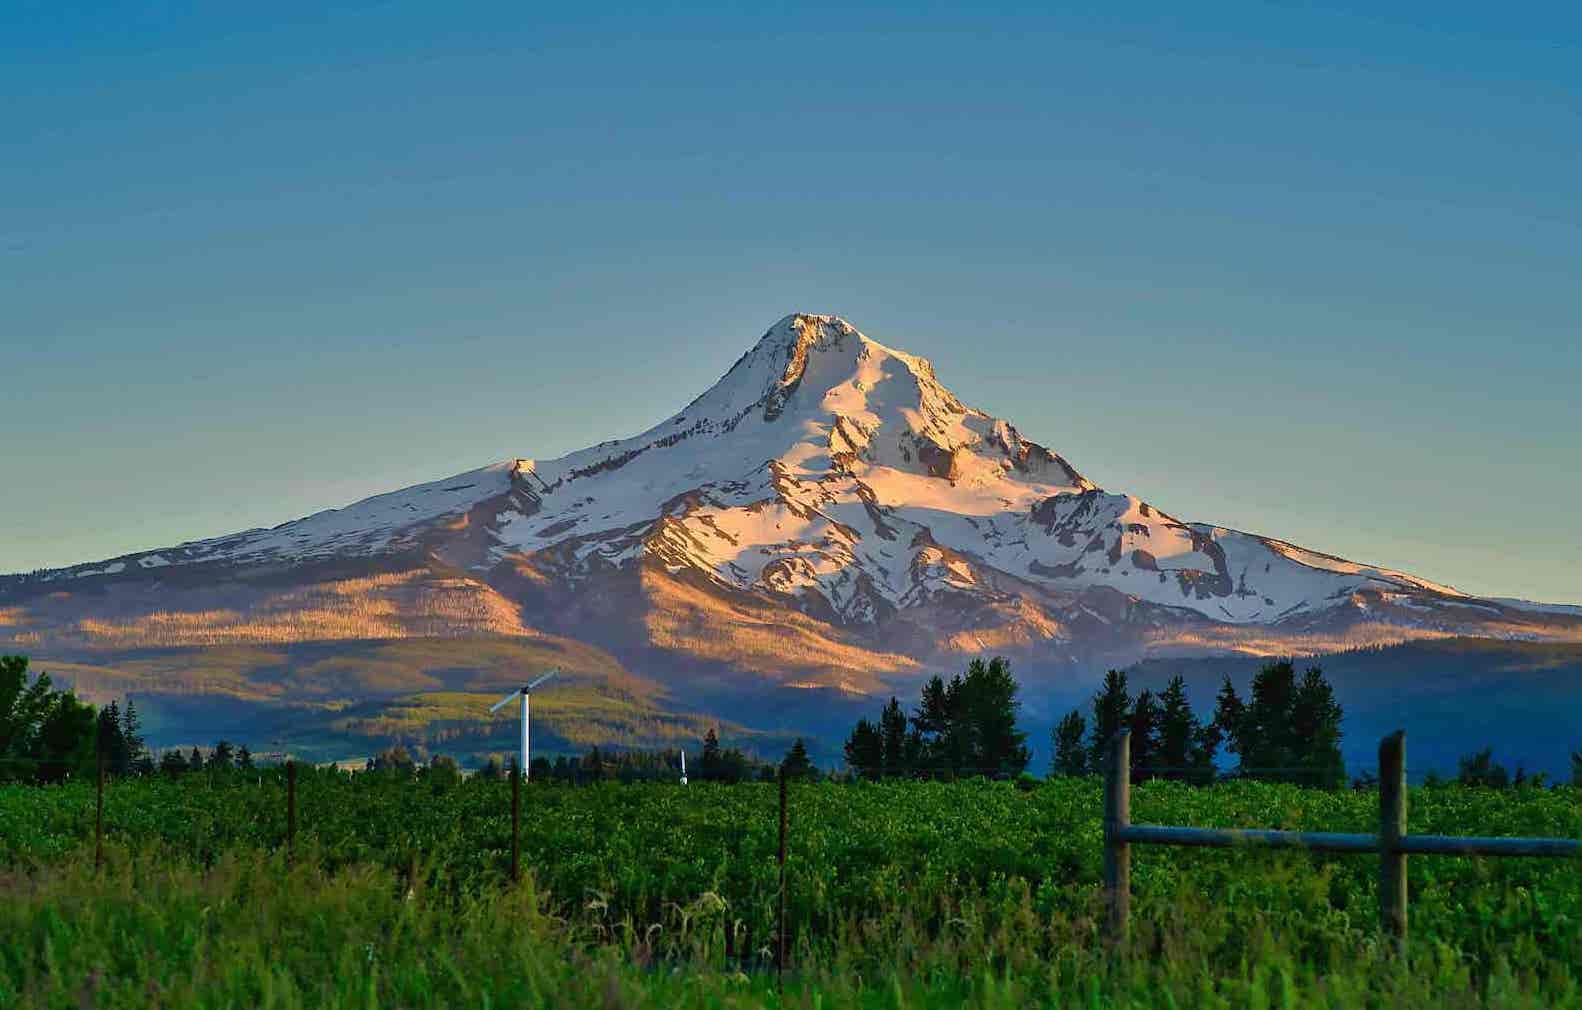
(826, 484)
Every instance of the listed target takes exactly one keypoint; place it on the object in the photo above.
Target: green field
(904, 894)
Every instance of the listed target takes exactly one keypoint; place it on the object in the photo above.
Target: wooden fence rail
(1392, 843)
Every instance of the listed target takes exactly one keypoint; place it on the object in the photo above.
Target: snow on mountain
(836, 475)
(1568, 609)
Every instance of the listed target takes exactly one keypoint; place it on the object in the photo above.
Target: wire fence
(1391, 844)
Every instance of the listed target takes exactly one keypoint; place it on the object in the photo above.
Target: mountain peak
(832, 473)
(815, 356)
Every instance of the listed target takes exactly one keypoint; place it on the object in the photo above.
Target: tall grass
(249, 931)
(900, 895)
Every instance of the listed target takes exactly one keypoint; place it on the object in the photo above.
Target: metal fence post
(1117, 817)
(1392, 828)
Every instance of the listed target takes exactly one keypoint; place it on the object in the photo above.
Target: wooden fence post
(1117, 817)
(1392, 827)
(516, 821)
(291, 813)
(780, 960)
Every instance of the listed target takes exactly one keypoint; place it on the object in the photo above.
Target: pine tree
(1071, 756)
(396, 760)
(593, 765)
(933, 722)
(1286, 731)
(1315, 721)
(797, 764)
(244, 758)
(1178, 731)
(173, 764)
(1144, 724)
(1205, 747)
(1112, 710)
(896, 759)
(865, 750)
(933, 710)
(989, 742)
(108, 740)
(711, 768)
(1576, 767)
(223, 757)
(1270, 738)
(1230, 717)
(195, 760)
(138, 759)
(1481, 770)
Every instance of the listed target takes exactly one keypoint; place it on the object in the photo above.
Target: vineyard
(896, 894)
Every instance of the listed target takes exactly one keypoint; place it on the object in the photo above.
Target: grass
(899, 895)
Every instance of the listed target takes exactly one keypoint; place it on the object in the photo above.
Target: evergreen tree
(1186, 747)
(1315, 721)
(195, 760)
(865, 750)
(993, 744)
(1205, 748)
(1230, 717)
(1144, 724)
(711, 767)
(244, 758)
(24, 708)
(1071, 756)
(223, 757)
(45, 735)
(1266, 725)
(1576, 767)
(1286, 731)
(1112, 710)
(738, 767)
(173, 764)
(593, 769)
(933, 722)
(797, 764)
(933, 710)
(1481, 770)
(493, 770)
(895, 743)
(1525, 780)
(138, 758)
(964, 726)
(117, 751)
(396, 760)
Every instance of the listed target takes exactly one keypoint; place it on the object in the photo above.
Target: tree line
(1286, 730)
(964, 726)
(48, 735)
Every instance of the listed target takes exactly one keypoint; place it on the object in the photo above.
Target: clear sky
(1308, 272)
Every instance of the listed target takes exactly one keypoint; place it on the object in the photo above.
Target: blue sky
(1305, 271)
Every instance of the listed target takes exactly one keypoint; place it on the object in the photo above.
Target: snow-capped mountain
(829, 493)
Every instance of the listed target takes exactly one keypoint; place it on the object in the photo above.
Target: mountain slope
(827, 514)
